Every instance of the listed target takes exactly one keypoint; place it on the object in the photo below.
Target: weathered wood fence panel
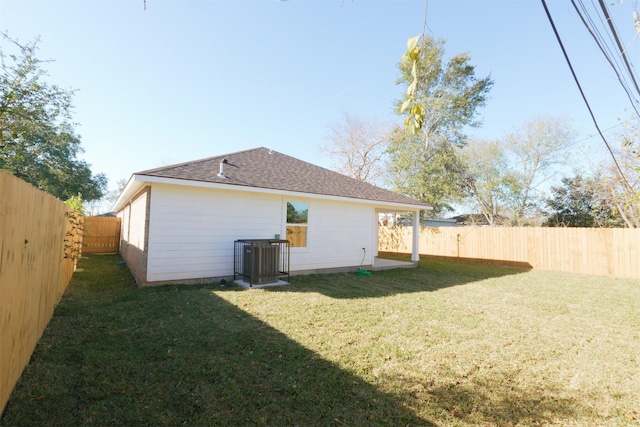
(101, 235)
(599, 251)
(35, 232)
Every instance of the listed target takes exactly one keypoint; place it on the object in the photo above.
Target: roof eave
(130, 190)
(137, 181)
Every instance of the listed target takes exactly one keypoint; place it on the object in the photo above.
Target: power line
(615, 36)
(424, 28)
(584, 16)
(586, 138)
(584, 98)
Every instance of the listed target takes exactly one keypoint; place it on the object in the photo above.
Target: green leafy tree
(579, 203)
(440, 99)
(431, 174)
(75, 202)
(297, 213)
(422, 157)
(37, 138)
(488, 179)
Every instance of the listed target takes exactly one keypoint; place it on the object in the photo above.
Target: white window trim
(285, 200)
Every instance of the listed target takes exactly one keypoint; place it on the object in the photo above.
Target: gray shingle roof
(263, 168)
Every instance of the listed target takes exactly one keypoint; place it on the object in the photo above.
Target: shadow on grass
(495, 401)
(114, 354)
(118, 355)
(431, 274)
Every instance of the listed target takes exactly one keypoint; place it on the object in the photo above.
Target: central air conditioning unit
(261, 261)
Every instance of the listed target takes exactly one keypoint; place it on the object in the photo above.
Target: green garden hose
(360, 271)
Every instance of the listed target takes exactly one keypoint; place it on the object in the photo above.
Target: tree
(75, 202)
(488, 179)
(422, 160)
(578, 203)
(37, 138)
(357, 147)
(440, 100)
(622, 193)
(431, 174)
(621, 183)
(108, 201)
(536, 151)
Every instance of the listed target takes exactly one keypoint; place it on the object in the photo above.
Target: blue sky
(184, 80)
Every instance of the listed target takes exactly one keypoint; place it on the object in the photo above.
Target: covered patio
(385, 264)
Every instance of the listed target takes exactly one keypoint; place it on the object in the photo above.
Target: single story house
(180, 222)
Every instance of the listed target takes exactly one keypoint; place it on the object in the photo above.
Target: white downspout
(415, 252)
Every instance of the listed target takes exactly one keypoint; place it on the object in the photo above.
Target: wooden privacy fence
(297, 236)
(101, 235)
(599, 251)
(40, 238)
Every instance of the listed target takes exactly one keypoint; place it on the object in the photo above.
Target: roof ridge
(193, 162)
(265, 168)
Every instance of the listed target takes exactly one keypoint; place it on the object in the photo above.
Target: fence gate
(101, 235)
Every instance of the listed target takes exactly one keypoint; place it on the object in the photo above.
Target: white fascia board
(214, 185)
(131, 189)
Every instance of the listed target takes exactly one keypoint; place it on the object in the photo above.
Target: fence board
(598, 251)
(297, 236)
(101, 235)
(34, 272)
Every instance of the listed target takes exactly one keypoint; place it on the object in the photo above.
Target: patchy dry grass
(449, 343)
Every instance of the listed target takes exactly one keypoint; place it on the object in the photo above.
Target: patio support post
(376, 233)
(415, 252)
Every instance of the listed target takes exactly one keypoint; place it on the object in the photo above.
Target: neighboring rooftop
(264, 168)
(479, 219)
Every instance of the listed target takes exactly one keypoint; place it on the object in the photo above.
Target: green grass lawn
(448, 343)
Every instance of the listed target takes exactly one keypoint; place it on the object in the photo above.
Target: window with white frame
(297, 222)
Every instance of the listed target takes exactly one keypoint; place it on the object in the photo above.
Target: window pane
(297, 236)
(297, 213)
